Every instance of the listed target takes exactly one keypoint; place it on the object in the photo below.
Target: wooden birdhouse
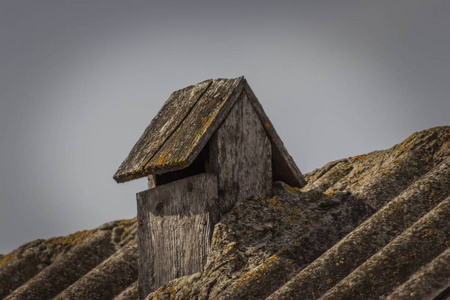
(210, 145)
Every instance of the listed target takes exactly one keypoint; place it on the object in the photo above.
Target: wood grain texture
(187, 121)
(151, 181)
(175, 223)
(284, 167)
(174, 111)
(194, 132)
(241, 156)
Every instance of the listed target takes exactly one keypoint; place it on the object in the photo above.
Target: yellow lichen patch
(429, 232)
(267, 125)
(252, 275)
(296, 210)
(172, 293)
(431, 196)
(447, 141)
(7, 258)
(272, 259)
(403, 146)
(330, 192)
(273, 203)
(281, 251)
(75, 238)
(330, 281)
(162, 158)
(341, 262)
(398, 161)
(208, 120)
(263, 267)
(127, 225)
(231, 245)
(216, 238)
(291, 189)
(291, 219)
(356, 158)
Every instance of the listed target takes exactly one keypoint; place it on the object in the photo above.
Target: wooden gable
(187, 121)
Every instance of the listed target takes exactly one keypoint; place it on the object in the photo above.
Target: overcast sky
(80, 81)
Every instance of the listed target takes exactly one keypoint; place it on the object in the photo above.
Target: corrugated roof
(372, 226)
(366, 227)
(187, 121)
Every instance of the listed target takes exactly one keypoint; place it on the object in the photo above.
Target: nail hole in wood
(159, 207)
(190, 187)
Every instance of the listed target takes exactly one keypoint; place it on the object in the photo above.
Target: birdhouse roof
(185, 124)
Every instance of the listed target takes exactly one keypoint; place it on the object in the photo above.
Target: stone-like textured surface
(361, 227)
(371, 236)
(130, 293)
(63, 261)
(251, 257)
(402, 257)
(103, 281)
(429, 282)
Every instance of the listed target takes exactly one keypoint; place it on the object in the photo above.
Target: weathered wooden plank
(192, 135)
(151, 181)
(240, 155)
(174, 111)
(284, 167)
(175, 223)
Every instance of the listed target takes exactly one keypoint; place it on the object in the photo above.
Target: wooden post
(175, 224)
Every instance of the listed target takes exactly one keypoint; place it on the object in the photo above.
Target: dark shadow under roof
(185, 124)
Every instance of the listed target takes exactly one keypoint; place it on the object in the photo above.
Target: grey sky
(80, 81)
